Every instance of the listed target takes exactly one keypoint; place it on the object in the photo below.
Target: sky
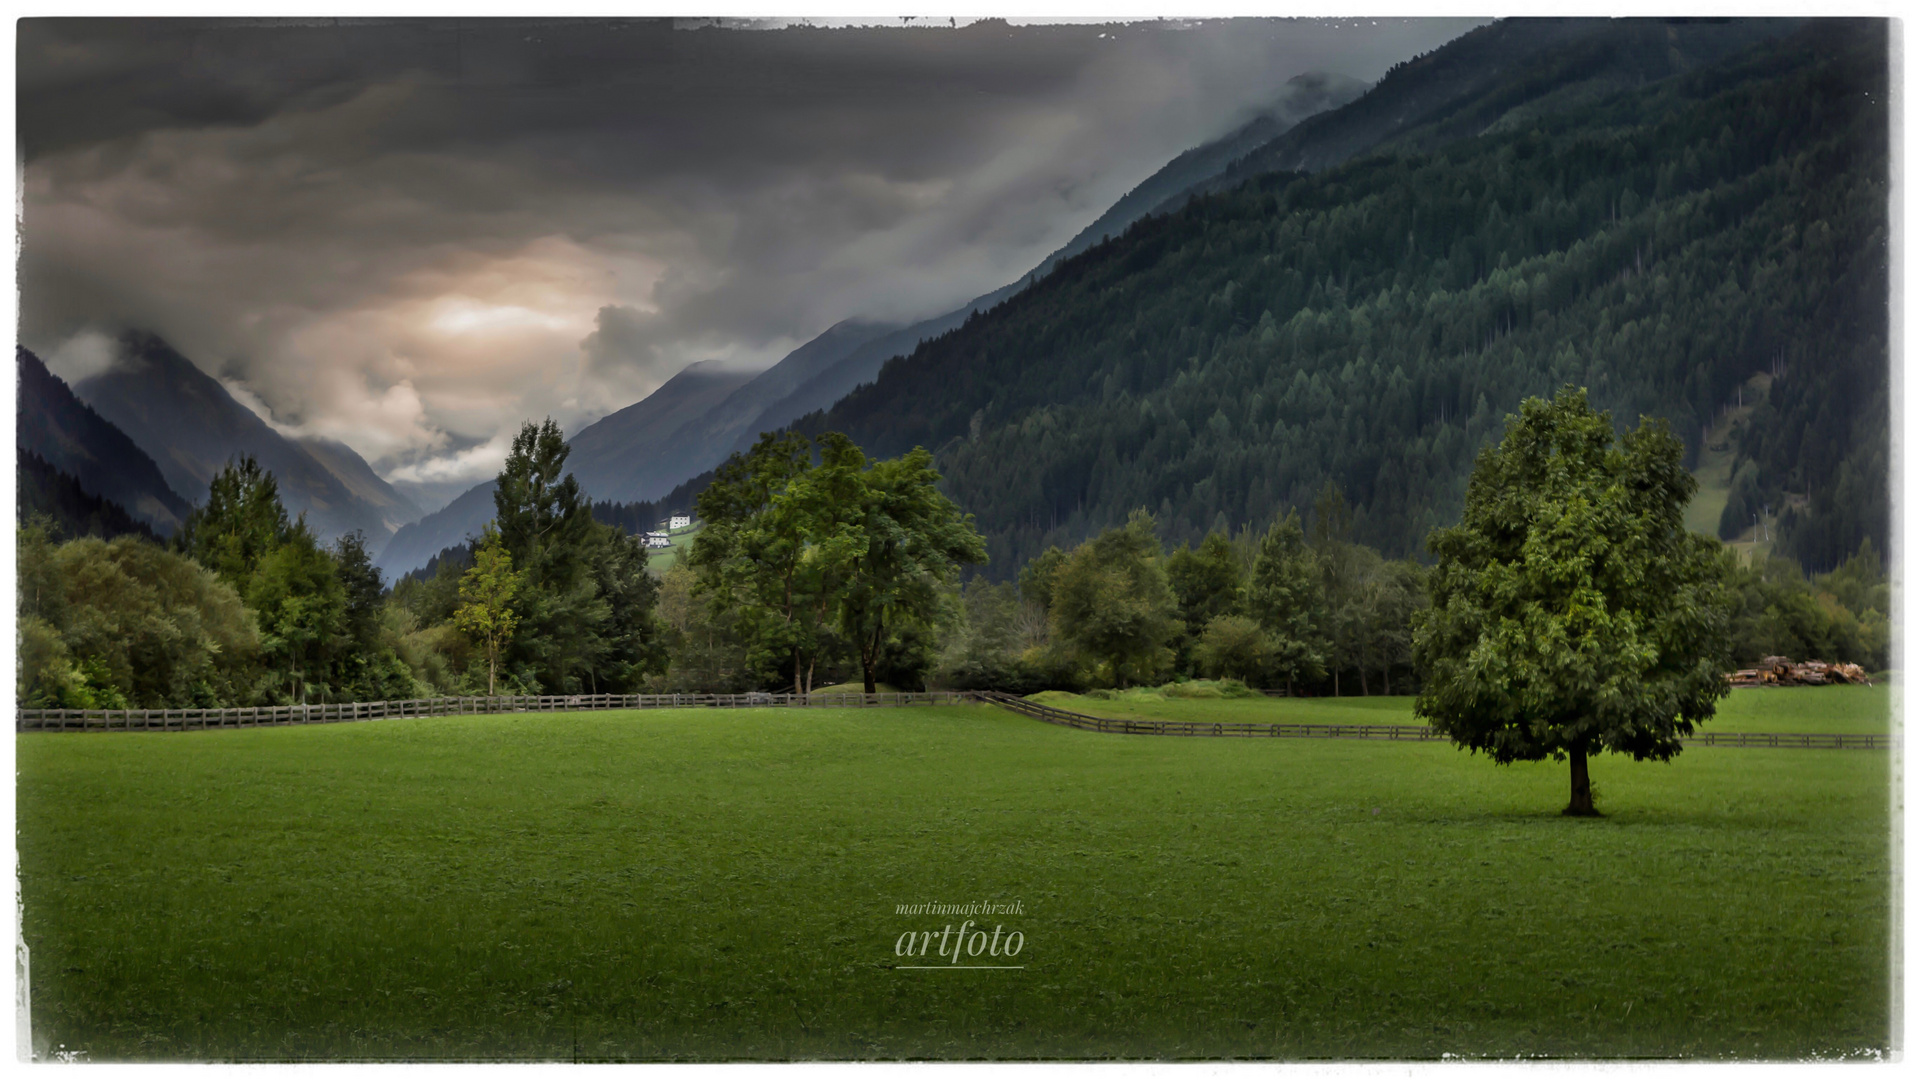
(411, 236)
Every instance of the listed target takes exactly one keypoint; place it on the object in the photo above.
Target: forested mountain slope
(642, 450)
(73, 441)
(1499, 75)
(682, 431)
(192, 427)
(44, 493)
(1371, 324)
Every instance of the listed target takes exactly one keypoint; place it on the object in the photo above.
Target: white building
(679, 521)
(656, 540)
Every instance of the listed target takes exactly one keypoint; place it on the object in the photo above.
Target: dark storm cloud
(410, 234)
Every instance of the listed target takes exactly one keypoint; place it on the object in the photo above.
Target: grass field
(679, 544)
(1850, 710)
(722, 884)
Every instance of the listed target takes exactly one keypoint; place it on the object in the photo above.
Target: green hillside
(1372, 324)
(680, 541)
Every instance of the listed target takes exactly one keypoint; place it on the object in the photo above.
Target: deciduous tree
(894, 542)
(1284, 597)
(487, 593)
(755, 559)
(1112, 603)
(1572, 611)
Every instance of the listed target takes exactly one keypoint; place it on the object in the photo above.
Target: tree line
(244, 606)
(814, 565)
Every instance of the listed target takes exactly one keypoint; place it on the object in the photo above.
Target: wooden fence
(1396, 732)
(278, 715)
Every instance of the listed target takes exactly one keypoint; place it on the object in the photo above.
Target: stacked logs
(1780, 671)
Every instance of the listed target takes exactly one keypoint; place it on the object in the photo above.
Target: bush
(1205, 689)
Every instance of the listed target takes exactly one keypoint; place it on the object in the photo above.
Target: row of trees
(1288, 607)
(814, 565)
(245, 606)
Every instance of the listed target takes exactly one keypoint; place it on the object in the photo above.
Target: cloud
(413, 235)
(465, 467)
(627, 339)
(83, 356)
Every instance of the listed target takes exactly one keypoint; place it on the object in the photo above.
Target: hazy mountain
(1306, 95)
(1497, 76)
(416, 542)
(666, 442)
(430, 495)
(192, 427)
(361, 481)
(1309, 95)
(638, 452)
(74, 440)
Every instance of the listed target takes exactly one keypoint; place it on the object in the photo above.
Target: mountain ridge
(823, 370)
(1310, 94)
(191, 427)
(75, 440)
(1369, 324)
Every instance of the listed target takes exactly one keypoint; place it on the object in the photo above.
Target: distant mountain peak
(192, 426)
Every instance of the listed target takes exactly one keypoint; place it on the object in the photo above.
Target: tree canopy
(487, 592)
(1572, 612)
(1112, 601)
(583, 614)
(803, 558)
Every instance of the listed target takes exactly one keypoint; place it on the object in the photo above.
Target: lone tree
(1572, 610)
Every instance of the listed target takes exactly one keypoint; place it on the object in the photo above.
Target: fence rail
(1395, 732)
(347, 712)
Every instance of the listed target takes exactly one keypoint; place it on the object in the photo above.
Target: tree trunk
(1581, 804)
(1336, 682)
(1386, 681)
(1362, 671)
(796, 673)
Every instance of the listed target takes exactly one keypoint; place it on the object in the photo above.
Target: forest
(815, 565)
(1370, 325)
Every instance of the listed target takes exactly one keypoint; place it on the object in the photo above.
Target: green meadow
(724, 884)
(1848, 710)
